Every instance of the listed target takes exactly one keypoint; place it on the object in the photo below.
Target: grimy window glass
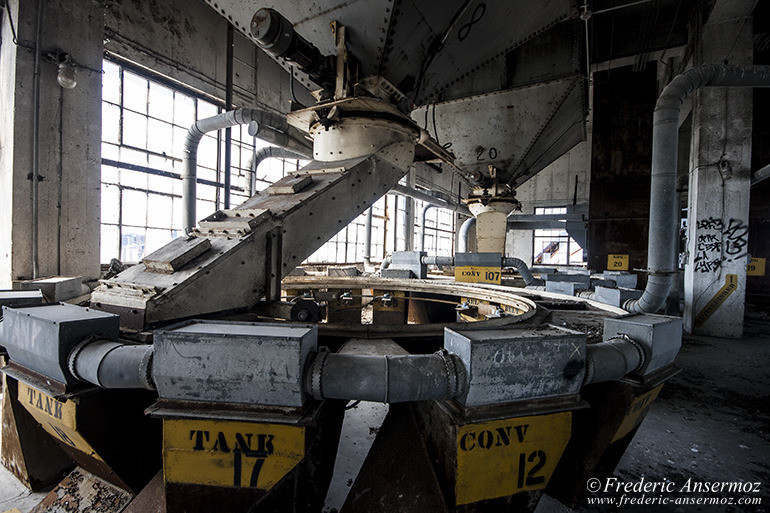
(555, 247)
(144, 124)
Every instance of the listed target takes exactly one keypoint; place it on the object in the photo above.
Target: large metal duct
(386, 379)
(612, 359)
(663, 231)
(110, 364)
(523, 270)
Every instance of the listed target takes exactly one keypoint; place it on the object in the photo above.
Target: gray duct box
(508, 365)
(20, 298)
(411, 261)
(561, 287)
(622, 279)
(581, 281)
(659, 335)
(40, 338)
(233, 362)
(616, 297)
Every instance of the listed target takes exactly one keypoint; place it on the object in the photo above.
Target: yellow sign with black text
(474, 274)
(756, 267)
(730, 286)
(58, 418)
(617, 262)
(504, 457)
(230, 453)
(636, 412)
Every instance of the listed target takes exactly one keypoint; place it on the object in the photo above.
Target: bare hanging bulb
(66, 76)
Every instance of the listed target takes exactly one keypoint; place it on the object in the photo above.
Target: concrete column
(717, 245)
(70, 142)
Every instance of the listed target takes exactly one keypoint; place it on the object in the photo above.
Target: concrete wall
(187, 41)
(70, 143)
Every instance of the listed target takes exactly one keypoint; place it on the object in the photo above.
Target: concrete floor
(711, 422)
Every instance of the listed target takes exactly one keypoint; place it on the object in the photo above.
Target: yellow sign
(59, 418)
(756, 267)
(504, 457)
(230, 453)
(473, 274)
(617, 262)
(636, 412)
(731, 283)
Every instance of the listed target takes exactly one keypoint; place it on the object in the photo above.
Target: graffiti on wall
(718, 242)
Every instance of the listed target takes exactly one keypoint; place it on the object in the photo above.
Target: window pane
(134, 92)
(110, 206)
(109, 244)
(110, 82)
(134, 129)
(161, 102)
(134, 208)
(110, 123)
(132, 244)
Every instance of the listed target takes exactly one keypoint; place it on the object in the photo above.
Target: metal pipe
(438, 260)
(228, 106)
(462, 238)
(433, 200)
(36, 139)
(275, 123)
(368, 236)
(111, 364)
(662, 248)
(386, 379)
(523, 270)
(762, 173)
(283, 140)
(266, 153)
(612, 359)
(423, 216)
(386, 262)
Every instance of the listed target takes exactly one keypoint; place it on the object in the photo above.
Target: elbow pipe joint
(523, 269)
(386, 262)
(613, 359)
(462, 238)
(386, 379)
(110, 364)
(661, 249)
(275, 124)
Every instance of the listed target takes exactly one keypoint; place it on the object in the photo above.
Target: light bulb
(66, 76)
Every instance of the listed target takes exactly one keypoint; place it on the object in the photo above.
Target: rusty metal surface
(152, 499)
(126, 443)
(439, 427)
(303, 489)
(26, 450)
(521, 300)
(591, 451)
(83, 492)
